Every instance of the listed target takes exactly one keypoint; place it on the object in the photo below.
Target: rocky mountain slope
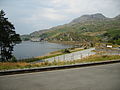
(87, 28)
(92, 17)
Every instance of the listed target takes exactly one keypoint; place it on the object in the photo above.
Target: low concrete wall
(41, 69)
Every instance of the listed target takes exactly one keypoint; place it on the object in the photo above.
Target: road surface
(102, 77)
(73, 55)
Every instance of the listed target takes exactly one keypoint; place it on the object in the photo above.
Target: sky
(33, 15)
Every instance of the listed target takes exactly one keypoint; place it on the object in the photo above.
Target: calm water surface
(29, 49)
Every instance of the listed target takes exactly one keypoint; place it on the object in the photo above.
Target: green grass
(92, 58)
(95, 58)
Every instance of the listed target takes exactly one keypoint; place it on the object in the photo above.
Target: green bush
(66, 51)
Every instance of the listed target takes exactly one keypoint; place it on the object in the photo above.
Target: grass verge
(92, 58)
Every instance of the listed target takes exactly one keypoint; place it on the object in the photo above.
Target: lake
(29, 49)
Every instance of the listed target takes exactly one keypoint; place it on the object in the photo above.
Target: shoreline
(60, 52)
(74, 48)
(51, 54)
(62, 42)
(66, 42)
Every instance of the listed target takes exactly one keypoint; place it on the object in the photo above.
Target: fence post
(81, 55)
(73, 56)
(58, 58)
(64, 57)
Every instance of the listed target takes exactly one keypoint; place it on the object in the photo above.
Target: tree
(8, 38)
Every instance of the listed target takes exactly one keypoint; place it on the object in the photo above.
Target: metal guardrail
(41, 69)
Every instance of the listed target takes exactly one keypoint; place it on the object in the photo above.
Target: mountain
(92, 17)
(87, 29)
(117, 17)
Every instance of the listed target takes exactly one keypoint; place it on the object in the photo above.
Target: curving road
(73, 56)
(102, 77)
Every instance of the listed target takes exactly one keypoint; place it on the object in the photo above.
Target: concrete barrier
(41, 69)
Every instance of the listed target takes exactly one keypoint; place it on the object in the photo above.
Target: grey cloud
(32, 15)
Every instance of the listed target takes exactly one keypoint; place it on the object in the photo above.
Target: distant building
(35, 39)
(109, 46)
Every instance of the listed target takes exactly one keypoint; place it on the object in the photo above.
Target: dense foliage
(8, 38)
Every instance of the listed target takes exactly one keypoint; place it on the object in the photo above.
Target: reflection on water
(29, 49)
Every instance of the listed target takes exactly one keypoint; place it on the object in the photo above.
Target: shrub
(66, 51)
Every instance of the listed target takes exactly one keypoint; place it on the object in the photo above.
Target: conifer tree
(8, 38)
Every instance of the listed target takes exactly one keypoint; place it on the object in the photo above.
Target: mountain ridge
(84, 29)
(88, 17)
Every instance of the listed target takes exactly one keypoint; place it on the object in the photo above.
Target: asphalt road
(73, 55)
(102, 77)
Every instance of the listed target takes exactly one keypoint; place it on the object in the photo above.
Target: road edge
(50, 68)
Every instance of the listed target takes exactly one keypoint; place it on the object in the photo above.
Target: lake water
(29, 49)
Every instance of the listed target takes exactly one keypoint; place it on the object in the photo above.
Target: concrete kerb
(41, 69)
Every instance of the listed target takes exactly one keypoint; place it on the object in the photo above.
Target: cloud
(79, 7)
(30, 15)
(52, 14)
(45, 14)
